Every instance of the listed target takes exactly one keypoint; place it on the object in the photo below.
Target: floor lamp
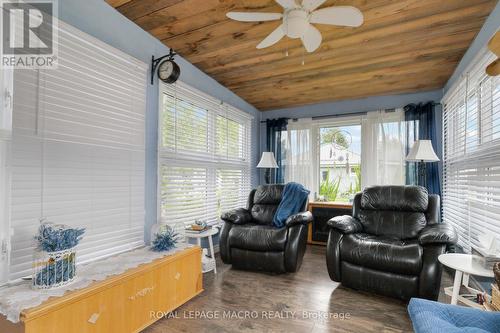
(423, 153)
(267, 162)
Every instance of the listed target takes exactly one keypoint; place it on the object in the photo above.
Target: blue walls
(100, 20)
(489, 28)
(353, 106)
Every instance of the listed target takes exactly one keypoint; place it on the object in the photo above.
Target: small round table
(464, 265)
(205, 234)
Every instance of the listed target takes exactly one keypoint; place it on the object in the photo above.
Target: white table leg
(465, 280)
(198, 240)
(212, 252)
(456, 287)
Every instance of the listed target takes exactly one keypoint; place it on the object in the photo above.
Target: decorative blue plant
(57, 237)
(165, 239)
(57, 271)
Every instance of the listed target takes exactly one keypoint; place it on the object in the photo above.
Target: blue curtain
(421, 125)
(274, 127)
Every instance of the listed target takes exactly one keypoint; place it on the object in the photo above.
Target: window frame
(216, 162)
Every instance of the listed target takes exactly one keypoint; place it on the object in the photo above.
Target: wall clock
(168, 70)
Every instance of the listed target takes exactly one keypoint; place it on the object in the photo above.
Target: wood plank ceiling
(403, 46)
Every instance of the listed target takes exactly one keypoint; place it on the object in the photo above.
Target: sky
(355, 132)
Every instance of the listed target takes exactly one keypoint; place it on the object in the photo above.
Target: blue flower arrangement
(57, 237)
(57, 271)
(165, 239)
(58, 266)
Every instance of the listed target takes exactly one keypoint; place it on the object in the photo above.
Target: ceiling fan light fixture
(296, 22)
(298, 19)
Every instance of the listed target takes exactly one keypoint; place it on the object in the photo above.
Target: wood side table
(322, 211)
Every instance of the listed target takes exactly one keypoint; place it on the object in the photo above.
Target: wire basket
(53, 269)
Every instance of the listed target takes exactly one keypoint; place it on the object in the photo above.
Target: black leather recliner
(248, 239)
(391, 243)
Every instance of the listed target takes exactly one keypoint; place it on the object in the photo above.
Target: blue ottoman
(433, 317)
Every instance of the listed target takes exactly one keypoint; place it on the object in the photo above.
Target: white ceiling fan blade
(253, 17)
(338, 15)
(287, 3)
(311, 39)
(311, 5)
(272, 38)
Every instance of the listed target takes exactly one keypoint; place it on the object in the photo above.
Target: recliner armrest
(438, 234)
(237, 216)
(300, 218)
(345, 224)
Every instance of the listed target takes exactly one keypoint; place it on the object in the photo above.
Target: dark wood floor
(307, 301)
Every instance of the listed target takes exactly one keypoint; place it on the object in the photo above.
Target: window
(230, 138)
(383, 140)
(78, 150)
(471, 132)
(336, 158)
(340, 162)
(205, 149)
(185, 126)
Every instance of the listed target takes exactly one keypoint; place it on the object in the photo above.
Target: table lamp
(423, 153)
(268, 162)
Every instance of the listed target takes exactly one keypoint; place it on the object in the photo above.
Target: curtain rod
(329, 116)
(351, 114)
(340, 115)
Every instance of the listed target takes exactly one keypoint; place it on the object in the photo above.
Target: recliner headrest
(268, 194)
(398, 198)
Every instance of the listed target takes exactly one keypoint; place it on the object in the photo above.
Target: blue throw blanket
(292, 202)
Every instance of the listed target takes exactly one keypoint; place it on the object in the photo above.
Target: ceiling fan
(298, 17)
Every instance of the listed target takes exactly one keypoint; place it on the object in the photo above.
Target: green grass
(329, 189)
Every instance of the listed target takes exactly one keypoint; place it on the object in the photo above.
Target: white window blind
(205, 155)
(5, 139)
(78, 149)
(471, 137)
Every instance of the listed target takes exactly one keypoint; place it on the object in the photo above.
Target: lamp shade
(267, 161)
(422, 151)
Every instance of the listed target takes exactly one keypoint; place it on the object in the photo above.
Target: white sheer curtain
(383, 148)
(300, 154)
